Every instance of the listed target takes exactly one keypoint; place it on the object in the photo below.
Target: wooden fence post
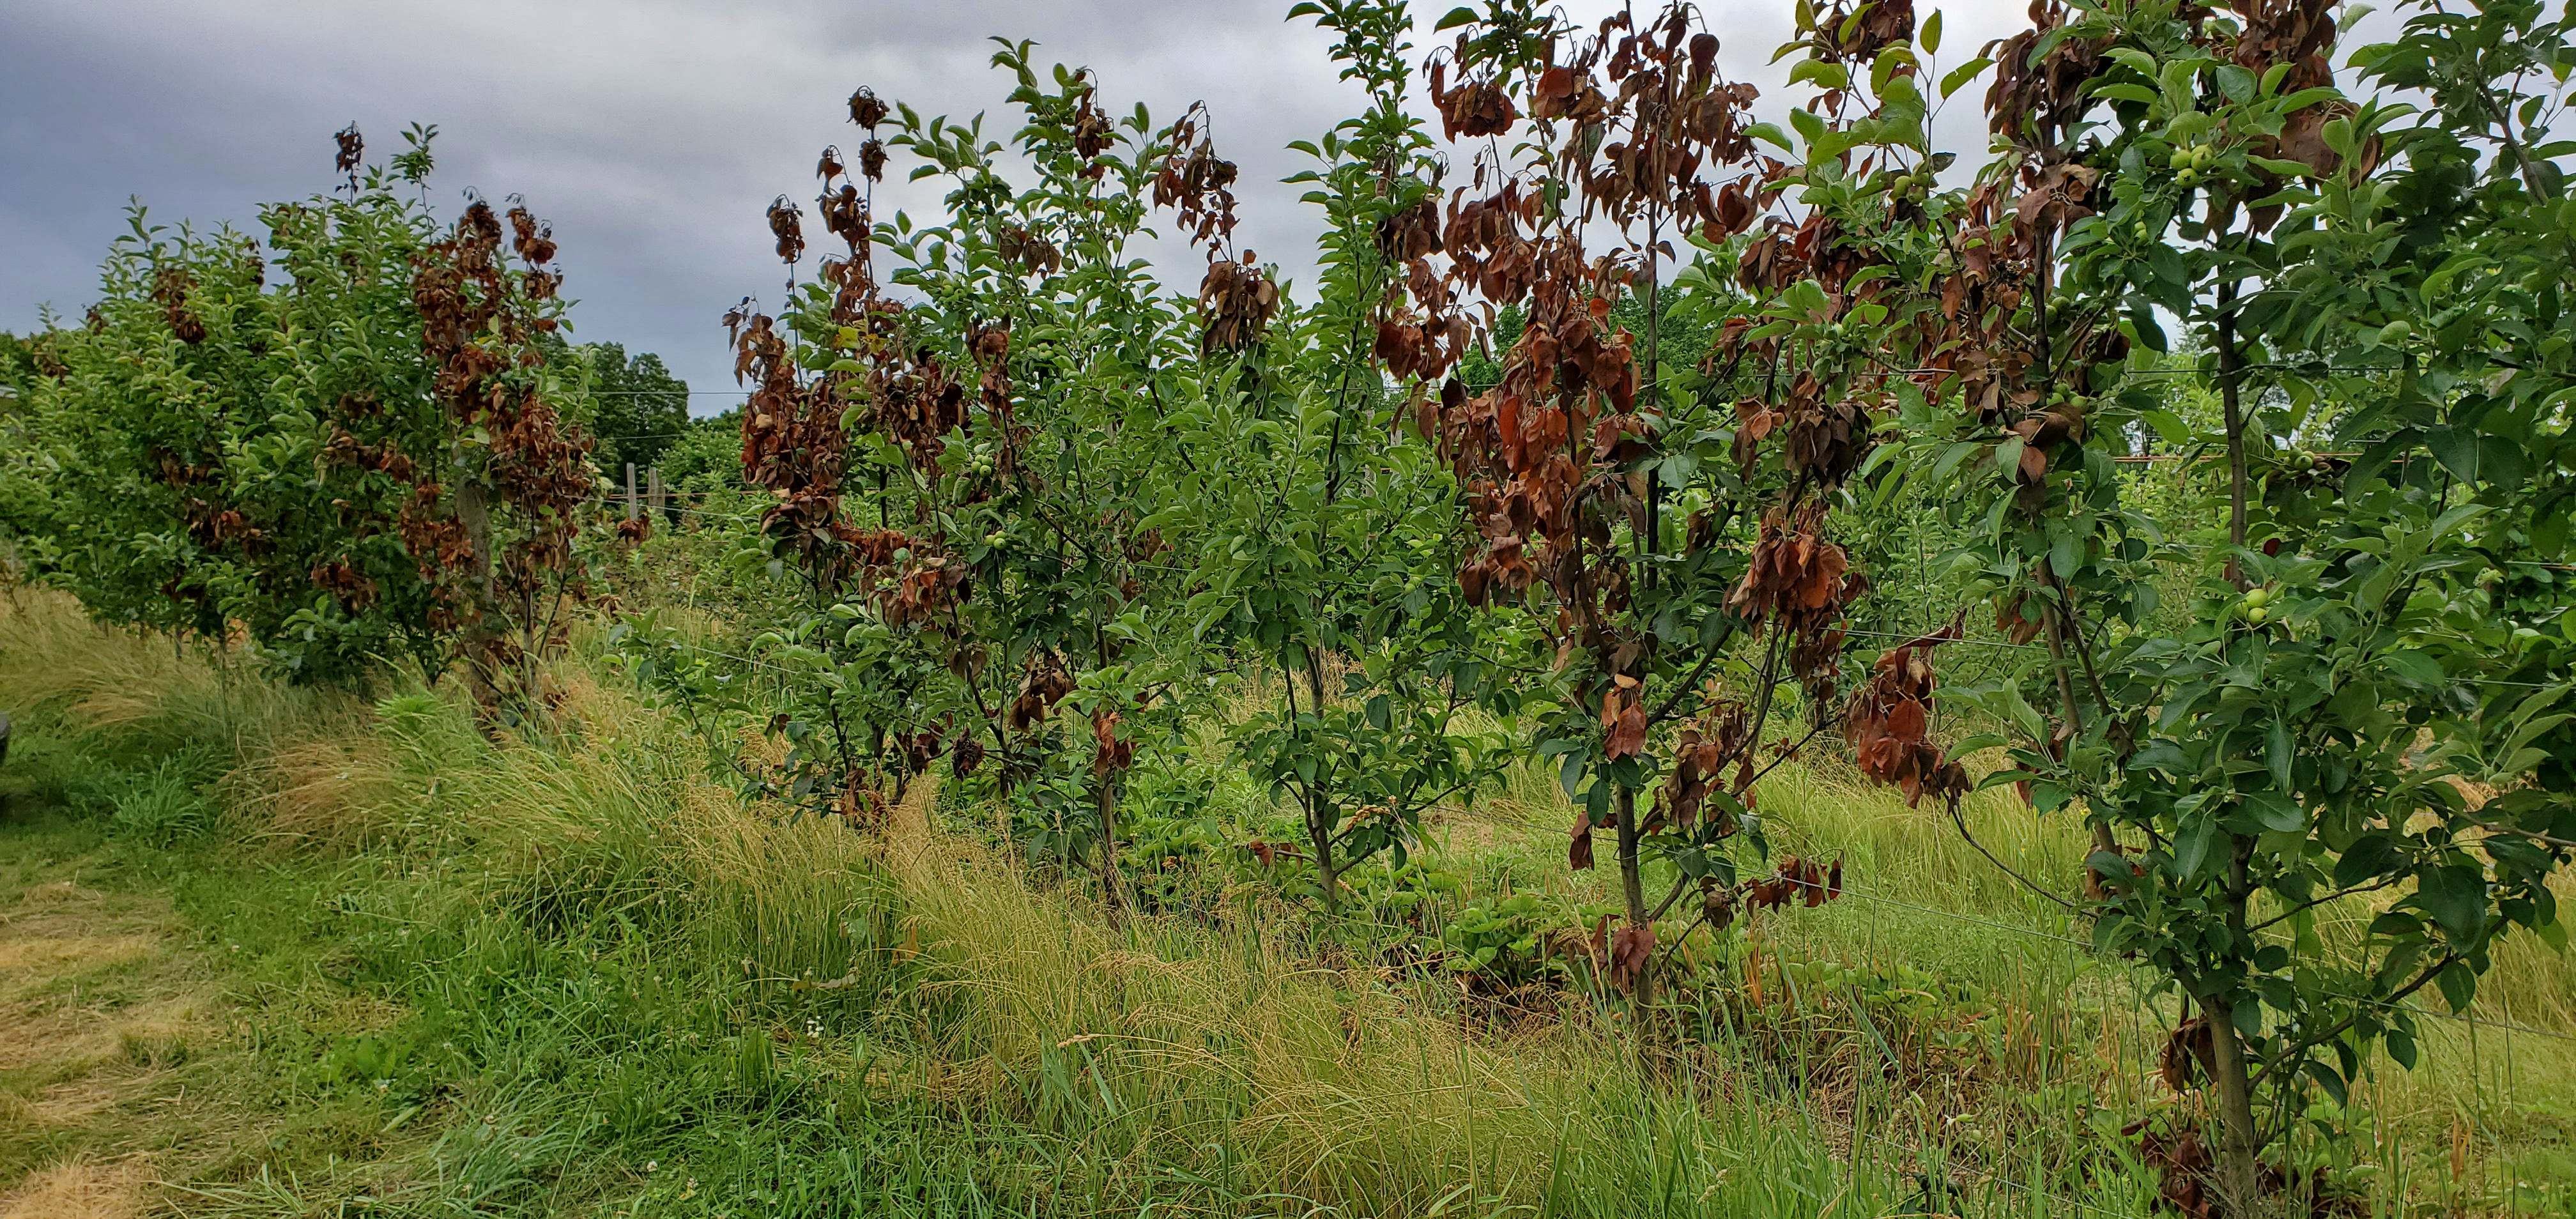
(630, 490)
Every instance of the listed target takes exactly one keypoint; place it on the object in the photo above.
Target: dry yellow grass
(82, 1189)
(95, 1006)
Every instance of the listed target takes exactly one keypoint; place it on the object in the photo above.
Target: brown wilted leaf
(866, 109)
(1109, 753)
(786, 223)
(353, 151)
(1888, 723)
(1630, 948)
(1236, 301)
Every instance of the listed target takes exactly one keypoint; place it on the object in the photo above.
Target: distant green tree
(642, 407)
(706, 456)
(26, 509)
(17, 366)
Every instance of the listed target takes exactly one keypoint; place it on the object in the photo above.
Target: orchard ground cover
(381, 967)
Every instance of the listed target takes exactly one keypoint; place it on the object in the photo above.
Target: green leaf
(2457, 449)
(2066, 555)
(2459, 985)
(2456, 896)
(2169, 426)
(2328, 1079)
(1961, 75)
(2196, 846)
(2413, 668)
(2025, 716)
(1461, 15)
(2368, 858)
(2276, 812)
(1950, 459)
(1828, 75)
(1973, 743)
(1930, 35)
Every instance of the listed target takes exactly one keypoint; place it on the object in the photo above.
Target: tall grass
(623, 992)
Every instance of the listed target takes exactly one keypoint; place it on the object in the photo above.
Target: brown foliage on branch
(1888, 723)
(496, 547)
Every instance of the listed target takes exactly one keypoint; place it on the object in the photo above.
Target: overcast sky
(652, 133)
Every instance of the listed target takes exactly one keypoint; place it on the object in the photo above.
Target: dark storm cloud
(653, 135)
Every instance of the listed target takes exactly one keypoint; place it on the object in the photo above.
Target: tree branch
(2533, 835)
(2397, 998)
(2314, 903)
(2032, 885)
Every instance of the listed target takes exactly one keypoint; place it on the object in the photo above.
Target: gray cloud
(652, 133)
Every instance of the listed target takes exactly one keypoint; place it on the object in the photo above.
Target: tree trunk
(474, 512)
(2229, 397)
(2239, 1173)
(1105, 793)
(2240, 1187)
(2104, 839)
(1319, 809)
(1652, 538)
(1632, 886)
(1319, 835)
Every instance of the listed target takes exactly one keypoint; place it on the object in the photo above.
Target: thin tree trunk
(2239, 1176)
(474, 511)
(1319, 810)
(2228, 397)
(1632, 886)
(1319, 835)
(2103, 839)
(2239, 1172)
(1648, 545)
(1106, 796)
